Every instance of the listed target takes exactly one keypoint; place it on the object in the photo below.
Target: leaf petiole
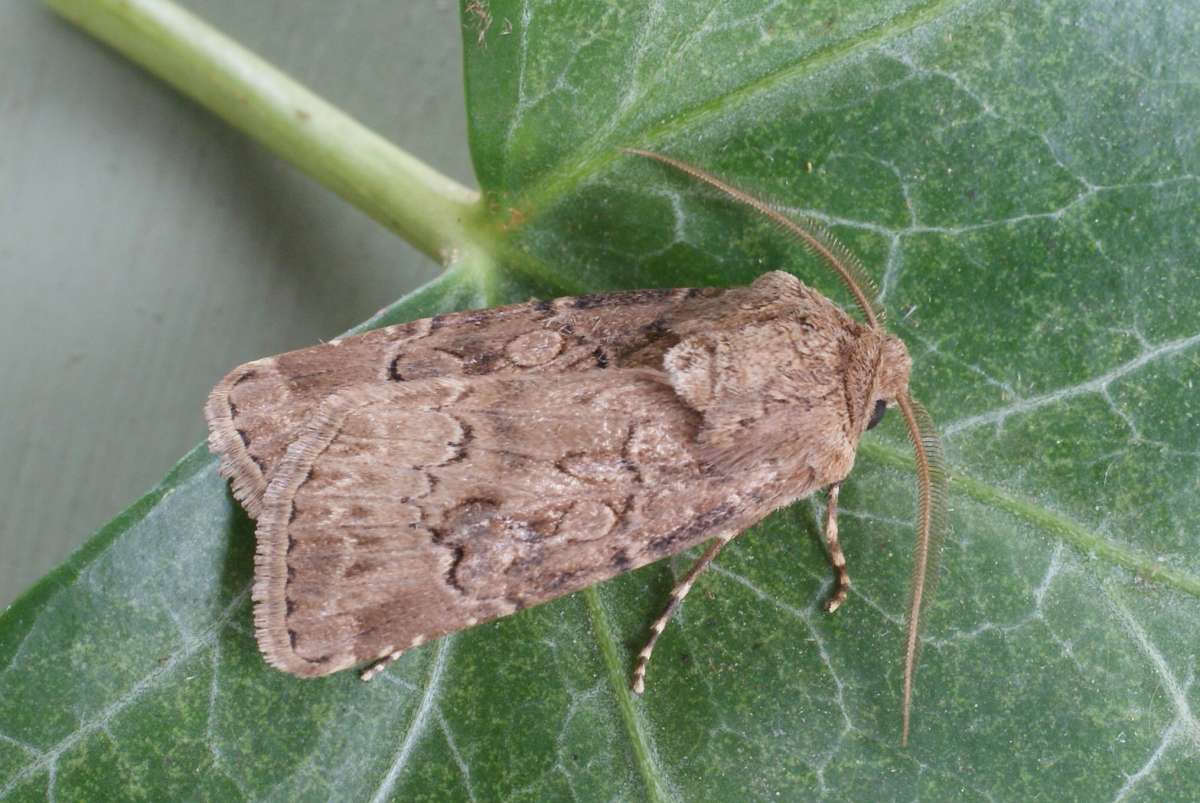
(431, 211)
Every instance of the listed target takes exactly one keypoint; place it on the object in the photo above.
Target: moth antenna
(932, 522)
(812, 234)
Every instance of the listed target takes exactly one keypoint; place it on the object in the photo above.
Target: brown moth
(420, 479)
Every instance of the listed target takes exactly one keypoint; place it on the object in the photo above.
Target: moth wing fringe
(234, 461)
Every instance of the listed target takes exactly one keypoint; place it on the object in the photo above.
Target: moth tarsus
(678, 593)
(837, 559)
(372, 670)
(420, 479)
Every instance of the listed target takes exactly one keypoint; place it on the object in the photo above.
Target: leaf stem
(429, 210)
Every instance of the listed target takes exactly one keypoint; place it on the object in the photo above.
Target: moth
(424, 478)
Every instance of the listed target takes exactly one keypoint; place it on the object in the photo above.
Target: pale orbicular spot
(587, 520)
(534, 348)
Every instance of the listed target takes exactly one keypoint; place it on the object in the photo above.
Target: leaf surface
(1022, 178)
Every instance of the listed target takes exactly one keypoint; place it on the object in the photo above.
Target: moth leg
(379, 665)
(677, 594)
(841, 577)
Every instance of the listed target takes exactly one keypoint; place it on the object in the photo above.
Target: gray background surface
(146, 247)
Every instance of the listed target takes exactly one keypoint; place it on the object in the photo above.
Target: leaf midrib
(616, 674)
(597, 155)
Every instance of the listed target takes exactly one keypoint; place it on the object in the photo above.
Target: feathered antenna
(930, 530)
(932, 519)
(812, 234)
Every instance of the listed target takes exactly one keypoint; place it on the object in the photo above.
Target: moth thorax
(894, 365)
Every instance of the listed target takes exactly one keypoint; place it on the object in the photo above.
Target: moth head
(891, 381)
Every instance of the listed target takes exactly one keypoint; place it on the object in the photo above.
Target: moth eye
(877, 413)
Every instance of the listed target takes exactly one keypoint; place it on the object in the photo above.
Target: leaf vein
(416, 728)
(1175, 690)
(49, 758)
(643, 753)
(1097, 384)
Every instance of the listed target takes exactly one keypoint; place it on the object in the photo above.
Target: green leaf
(1024, 180)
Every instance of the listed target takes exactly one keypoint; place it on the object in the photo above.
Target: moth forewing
(258, 409)
(408, 511)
